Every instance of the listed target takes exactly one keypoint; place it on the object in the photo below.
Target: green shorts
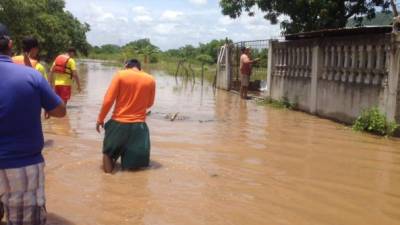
(131, 141)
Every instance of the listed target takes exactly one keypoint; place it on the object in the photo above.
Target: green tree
(142, 47)
(205, 59)
(109, 49)
(48, 21)
(306, 15)
(211, 48)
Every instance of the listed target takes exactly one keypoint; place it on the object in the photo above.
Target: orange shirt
(133, 92)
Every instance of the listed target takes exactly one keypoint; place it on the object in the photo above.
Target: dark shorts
(130, 141)
(64, 91)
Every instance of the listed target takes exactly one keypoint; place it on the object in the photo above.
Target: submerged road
(223, 161)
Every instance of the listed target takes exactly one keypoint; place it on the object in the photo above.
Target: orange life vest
(20, 60)
(61, 65)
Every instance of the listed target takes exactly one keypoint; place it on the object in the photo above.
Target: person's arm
(247, 60)
(51, 77)
(59, 111)
(152, 95)
(76, 78)
(108, 102)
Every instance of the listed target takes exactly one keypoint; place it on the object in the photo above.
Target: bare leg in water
(243, 92)
(108, 164)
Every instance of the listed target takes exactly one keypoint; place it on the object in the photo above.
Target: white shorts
(244, 80)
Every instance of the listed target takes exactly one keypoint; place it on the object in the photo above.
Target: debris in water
(173, 117)
(205, 121)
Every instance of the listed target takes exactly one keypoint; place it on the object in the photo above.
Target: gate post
(228, 67)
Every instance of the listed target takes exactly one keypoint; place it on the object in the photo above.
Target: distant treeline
(48, 21)
(149, 53)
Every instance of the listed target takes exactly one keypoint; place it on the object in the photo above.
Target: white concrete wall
(338, 77)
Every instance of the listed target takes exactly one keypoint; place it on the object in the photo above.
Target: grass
(284, 103)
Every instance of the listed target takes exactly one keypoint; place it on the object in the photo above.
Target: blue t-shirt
(23, 92)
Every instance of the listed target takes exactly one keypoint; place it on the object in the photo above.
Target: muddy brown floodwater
(223, 161)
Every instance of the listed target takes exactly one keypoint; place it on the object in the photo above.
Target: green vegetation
(186, 61)
(284, 103)
(142, 49)
(373, 121)
(48, 21)
(300, 16)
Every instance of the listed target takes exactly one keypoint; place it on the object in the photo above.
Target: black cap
(3, 31)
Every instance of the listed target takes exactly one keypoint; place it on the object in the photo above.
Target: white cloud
(198, 2)
(143, 19)
(140, 10)
(164, 28)
(99, 14)
(225, 20)
(171, 15)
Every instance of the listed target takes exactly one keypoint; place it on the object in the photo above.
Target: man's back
(133, 92)
(23, 92)
(64, 78)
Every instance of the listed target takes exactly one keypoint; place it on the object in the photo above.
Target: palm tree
(147, 51)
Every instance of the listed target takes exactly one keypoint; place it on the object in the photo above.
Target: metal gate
(259, 49)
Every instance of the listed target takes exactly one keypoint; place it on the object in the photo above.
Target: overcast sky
(168, 23)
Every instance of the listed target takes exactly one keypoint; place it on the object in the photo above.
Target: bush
(153, 59)
(373, 121)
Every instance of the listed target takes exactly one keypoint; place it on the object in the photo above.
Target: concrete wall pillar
(270, 70)
(316, 69)
(393, 80)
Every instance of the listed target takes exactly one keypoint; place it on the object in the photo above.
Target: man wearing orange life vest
(30, 47)
(62, 73)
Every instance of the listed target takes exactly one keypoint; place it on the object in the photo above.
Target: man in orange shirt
(126, 133)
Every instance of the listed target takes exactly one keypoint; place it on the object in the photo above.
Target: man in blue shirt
(23, 93)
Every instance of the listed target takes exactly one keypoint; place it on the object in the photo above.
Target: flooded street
(223, 161)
